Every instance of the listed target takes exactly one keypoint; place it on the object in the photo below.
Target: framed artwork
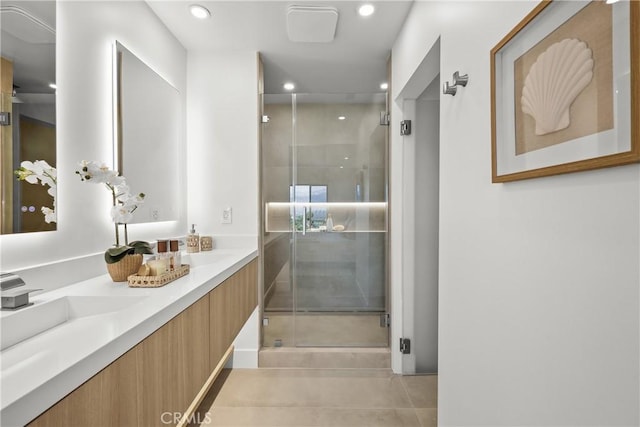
(565, 90)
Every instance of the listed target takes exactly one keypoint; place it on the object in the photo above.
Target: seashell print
(554, 81)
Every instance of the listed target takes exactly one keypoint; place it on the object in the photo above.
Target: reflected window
(316, 216)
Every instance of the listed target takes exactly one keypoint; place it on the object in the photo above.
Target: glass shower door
(338, 197)
(324, 187)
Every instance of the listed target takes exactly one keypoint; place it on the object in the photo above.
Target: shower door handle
(304, 221)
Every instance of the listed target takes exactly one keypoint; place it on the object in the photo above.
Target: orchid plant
(41, 171)
(124, 204)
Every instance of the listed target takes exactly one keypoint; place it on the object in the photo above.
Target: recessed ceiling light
(366, 10)
(341, 167)
(341, 117)
(346, 158)
(384, 86)
(199, 12)
(289, 86)
(53, 86)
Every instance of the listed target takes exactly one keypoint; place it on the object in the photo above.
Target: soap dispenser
(193, 240)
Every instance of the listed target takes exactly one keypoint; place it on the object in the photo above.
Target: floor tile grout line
(406, 391)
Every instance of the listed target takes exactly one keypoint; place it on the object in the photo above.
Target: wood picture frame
(565, 90)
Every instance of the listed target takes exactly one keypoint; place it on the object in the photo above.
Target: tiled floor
(319, 397)
(319, 330)
(325, 357)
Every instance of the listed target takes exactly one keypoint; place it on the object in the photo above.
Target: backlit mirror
(147, 129)
(28, 116)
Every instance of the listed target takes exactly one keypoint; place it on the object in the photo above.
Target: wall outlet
(227, 215)
(154, 214)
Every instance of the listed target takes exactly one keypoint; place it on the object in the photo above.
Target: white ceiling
(28, 40)
(355, 62)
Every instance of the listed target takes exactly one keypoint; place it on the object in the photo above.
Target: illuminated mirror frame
(28, 131)
(147, 125)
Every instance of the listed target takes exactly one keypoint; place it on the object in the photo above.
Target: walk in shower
(324, 191)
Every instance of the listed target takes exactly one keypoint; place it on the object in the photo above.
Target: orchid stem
(113, 194)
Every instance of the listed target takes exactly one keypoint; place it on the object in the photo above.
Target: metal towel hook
(458, 80)
(449, 90)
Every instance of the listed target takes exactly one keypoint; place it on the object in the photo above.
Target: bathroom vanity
(146, 359)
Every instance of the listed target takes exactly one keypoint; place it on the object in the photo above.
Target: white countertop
(39, 371)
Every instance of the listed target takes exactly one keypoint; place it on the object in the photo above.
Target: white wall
(427, 159)
(85, 34)
(539, 279)
(222, 129)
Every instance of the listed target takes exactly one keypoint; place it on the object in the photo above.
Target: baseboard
(244, 358)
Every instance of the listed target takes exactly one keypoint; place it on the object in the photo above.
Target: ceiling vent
(312, 24)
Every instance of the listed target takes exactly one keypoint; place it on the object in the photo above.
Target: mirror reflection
(147, 135)
(28, 116)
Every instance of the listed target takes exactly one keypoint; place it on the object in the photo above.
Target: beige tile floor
(319, 397)
(321, 330)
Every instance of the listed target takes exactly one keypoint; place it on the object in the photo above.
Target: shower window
(300, 194)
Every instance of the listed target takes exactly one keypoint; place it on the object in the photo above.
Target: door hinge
(5, 118)
(384, 118)
(405, 345)
(405, 127)
(385, 320)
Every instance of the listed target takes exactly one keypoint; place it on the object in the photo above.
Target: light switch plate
(227, 215)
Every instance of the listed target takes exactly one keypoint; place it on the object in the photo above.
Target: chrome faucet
(12, 297)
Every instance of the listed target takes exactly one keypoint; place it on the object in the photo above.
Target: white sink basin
(28, 322)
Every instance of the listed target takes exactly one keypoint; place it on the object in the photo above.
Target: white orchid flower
(49, 215)
(35, 167)
(27, 175)
(98, 173)
(51, 171)
(132, 201)
(40, 170)
(121, 214)
(28, 172)
(123, 202)
(47, 180)
(42, 166)
(122, 191)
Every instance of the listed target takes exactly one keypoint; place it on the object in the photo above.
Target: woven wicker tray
(157, 281)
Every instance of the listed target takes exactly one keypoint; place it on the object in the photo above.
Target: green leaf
(115, 254)
(141, 247)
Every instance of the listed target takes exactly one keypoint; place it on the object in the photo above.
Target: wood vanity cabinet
(232, 302)
(164, 373)
(174, 364)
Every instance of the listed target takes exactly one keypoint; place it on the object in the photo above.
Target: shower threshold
(329, 329)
